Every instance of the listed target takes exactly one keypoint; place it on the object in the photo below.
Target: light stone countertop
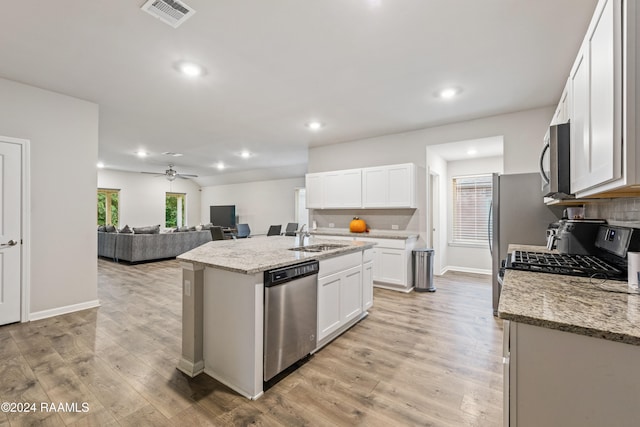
(571, 304)
(380, 234)
(261, 253)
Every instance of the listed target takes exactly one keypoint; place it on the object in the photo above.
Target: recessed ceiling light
(315, 125)
(190, 69)
(220, 166)
(100, 165)
(472, 151)
(245, 154)
(141, 153)
(449, 92)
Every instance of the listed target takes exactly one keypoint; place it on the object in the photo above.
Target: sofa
(134, 247)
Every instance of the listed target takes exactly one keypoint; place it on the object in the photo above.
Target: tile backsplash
(625, 210)
(378, 219)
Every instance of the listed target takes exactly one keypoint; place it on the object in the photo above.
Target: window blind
(471, 205)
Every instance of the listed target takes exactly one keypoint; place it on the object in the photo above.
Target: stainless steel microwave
(555, 163)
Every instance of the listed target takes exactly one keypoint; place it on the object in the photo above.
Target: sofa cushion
(102, 228)
(151, 229)
(207, 226)
(110, 229)
(126, 229)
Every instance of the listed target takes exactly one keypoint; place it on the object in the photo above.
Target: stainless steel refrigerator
(518, 215)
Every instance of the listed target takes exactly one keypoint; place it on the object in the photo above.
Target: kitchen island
(223, 302)
(571, 350)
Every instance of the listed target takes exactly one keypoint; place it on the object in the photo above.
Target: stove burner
(568, 264)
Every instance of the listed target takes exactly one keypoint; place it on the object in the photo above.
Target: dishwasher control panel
(290, 272)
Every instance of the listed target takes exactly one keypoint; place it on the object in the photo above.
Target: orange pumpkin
(357, 225)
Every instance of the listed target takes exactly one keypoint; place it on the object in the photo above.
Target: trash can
(423, 270)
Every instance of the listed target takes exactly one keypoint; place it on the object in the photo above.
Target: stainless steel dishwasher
(290, 315)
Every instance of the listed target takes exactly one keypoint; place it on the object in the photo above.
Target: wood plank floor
(418, 359)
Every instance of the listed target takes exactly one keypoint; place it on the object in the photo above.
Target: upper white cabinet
(563, 113)
(389, 186)
(379, 187)
(334, 190)
(596, 144)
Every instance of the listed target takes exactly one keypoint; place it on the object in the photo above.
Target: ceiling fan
(172, 174)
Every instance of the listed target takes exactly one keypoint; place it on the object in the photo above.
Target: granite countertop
(571, 304)
(380, 234)
(261, 253)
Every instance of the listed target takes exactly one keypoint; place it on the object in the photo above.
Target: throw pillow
(184, 228)
(110, 229)
(207, 226)
(126, 229)
(192, 228)
(102, 228)
(151, 229)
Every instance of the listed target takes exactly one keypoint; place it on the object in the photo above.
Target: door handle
(8, 244)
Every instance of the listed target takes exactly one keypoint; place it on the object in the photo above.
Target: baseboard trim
(466, 270)
(190, 368)
(44, 314)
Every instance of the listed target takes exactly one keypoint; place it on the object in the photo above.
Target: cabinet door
(606, 145)
(392, 264)
(343, 189)
(351, 293)
(580, 135)
(329, 318)
(400, 181)
(375, 186)
(596, 142)
(367, 285)
(314, 190)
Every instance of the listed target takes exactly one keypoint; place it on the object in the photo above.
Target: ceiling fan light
(171, 177)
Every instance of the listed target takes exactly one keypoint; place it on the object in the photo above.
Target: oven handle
(544, 176)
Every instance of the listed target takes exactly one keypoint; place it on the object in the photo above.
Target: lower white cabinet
(556, 378)
(367, 279)
(340, 298)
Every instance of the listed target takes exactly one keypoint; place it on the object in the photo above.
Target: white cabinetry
(596, 144)
(334, 190)
(367, 279)
(339, 295)
(343, 189)
(555, 378)
(389, 186)
(384, 187)
(563, 110)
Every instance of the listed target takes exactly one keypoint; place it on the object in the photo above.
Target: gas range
(608, 257)
(567, 264)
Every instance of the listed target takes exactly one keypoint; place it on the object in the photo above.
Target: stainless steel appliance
(290, 315)
(578, 236)
(608, 260)
(555, 163)
(517, 216)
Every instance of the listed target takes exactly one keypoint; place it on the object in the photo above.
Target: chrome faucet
(301, 236)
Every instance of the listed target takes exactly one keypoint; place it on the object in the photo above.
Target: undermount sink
(318, 248)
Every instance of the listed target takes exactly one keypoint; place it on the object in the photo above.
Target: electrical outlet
(394, 227)
(331, 225)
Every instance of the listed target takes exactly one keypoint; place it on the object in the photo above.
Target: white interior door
(10, 231)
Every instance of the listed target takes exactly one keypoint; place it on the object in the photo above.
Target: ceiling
(470, 149)
(362, 67)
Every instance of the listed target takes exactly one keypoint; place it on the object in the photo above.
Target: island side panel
(192, 361)
(233, 330)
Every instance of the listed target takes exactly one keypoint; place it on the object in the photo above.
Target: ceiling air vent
(172, 12)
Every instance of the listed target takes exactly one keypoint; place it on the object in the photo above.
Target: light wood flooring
(418, 359)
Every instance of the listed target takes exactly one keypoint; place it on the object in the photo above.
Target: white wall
(142, 197)
(259, 204)
(64, 150)
(462, 258)
(437, 221)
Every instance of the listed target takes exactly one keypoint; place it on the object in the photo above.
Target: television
(224, 216)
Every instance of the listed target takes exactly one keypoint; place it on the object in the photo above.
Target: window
(108, 206)
(471, 205)
(175, 210)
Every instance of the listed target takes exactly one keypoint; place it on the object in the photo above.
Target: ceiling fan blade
(154, 173)
(186, 176)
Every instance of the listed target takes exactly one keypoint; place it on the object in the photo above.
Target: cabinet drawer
(339, 263)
